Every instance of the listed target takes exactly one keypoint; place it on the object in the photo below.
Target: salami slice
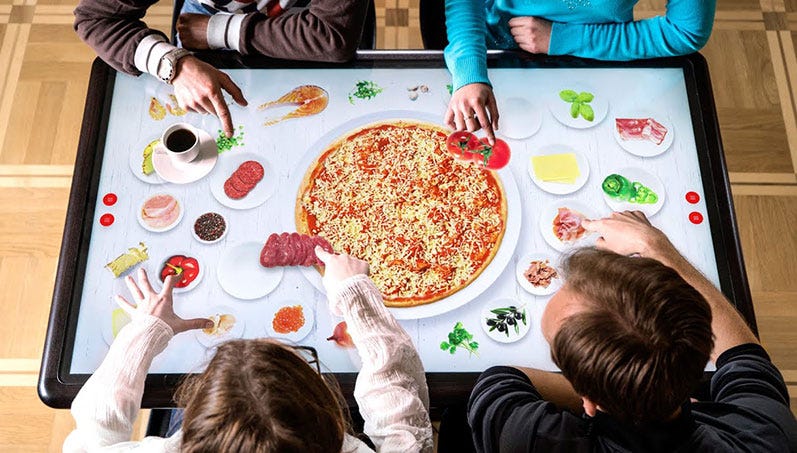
(231, 191)
(292, 249)
(239, 184)
(251, 172)
(297, 253)
(308, 245)
(270, 253)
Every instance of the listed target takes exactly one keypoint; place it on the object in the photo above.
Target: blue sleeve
(466, 53)
(685, 28)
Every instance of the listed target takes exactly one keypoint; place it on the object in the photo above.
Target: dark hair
(260, 396)
(639, 348)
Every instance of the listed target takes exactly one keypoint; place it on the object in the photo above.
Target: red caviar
(288, 319)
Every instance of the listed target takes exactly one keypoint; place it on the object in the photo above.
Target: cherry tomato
(493, 157)
(461, 143)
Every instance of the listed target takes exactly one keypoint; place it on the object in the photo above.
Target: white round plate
(241, 276)
(162, 262)
(561, 109)
(502, 337)
(525, 261)
(645, 148)
(211, 341)
(557, 188)
(226, 229)
(520, 119)
(137, 158)
(546, 224)
(167, 228)
(476, 287)
(230, 162)
(184, 173)
(295, 337)
(107, 323)
(650, 180)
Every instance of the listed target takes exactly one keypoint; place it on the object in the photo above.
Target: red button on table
(692, 197)
(696, 218)
(106, 220)
(109, 199)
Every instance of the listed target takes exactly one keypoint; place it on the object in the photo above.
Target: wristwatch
(168, 63)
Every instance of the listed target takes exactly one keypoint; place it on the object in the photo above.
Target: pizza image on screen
(389, 193)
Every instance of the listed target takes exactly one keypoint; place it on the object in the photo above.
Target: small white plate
(184, 173)
(650, 180)
(230, 162)
(162, 262)
(241, 276)
(295, 337)
(558, 188)
(137, 159)
(226, 229)
(502, 337)
(523, 264)
(520, 119)
(236, 332)
(561, 109)
(645, 148)
(144, 225)
(107, 323)
(546, 224)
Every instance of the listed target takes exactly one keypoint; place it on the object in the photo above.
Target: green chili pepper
(618, 187)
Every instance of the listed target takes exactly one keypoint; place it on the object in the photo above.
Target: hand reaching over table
(473, 107)
(198, 85)
(628, 233)
(338, 268)
(531, 34)
(193, 31)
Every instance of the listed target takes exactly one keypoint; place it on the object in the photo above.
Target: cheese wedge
(558, 168)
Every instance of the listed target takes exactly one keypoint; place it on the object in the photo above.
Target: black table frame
(57, 388)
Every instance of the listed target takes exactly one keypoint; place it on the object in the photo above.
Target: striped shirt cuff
(224, 31)
(149, 53)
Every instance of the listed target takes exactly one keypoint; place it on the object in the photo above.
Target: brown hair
(639, 348)
(260, 396)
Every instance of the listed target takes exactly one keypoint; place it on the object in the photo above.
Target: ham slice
(160, 211)
(567, 225)
(292, 249)
(641, 129)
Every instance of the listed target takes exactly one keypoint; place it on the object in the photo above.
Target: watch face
(165, 69)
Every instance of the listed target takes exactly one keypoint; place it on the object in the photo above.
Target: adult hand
(198, 85)
(469, 107)
(628, 233)
(193, 31)
(339, 267)
(160, 305)
(532, 34)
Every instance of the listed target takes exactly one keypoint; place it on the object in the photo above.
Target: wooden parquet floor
(44, 72)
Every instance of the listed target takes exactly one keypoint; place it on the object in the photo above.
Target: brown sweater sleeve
(113, 28)
(327, 30)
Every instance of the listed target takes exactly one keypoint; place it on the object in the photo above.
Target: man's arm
(553, 387)
(628, 233)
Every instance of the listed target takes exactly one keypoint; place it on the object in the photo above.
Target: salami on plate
(243, 179)
(292, 249)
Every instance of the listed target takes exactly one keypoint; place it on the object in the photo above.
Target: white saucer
(561, 109)
(167, 228)
(557, 188)
(502, 337)
(520, 119)
(264, 189)
(523, 264)
(648, 179)
(162, 262)
(295, 337)
(546, 224)
(184, 173)
(211, 341)
(137, 158)
(645, 148)
(241, 276)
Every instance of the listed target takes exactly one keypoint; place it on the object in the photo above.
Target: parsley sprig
(459, 337)
(364, 89)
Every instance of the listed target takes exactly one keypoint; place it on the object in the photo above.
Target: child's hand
(160, 305)
(531, 34)
(339, 268)
(469, 107)
(628, 233)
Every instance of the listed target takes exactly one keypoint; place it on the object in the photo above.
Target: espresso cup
(181, 142)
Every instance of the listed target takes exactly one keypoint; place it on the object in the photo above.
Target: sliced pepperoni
(285, 253)
(269, 253)
(231, 191)
(239, 185)
(251, 172)
(296, 249)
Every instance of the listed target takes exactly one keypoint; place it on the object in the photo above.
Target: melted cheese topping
(391, 195)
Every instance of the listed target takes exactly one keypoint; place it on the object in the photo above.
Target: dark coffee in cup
(180, 140)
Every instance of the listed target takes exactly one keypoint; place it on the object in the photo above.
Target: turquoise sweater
(600, 29)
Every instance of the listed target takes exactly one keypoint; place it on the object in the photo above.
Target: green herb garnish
(460, 338)
(507, 317)
(450, 88)
(579, 103)
(225, 144)
(364, 89)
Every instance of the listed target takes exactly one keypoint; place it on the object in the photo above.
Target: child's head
(260, 396)
(629, 334)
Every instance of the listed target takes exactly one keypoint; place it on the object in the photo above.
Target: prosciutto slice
(567, 225)
(641, 129)
(292, 249)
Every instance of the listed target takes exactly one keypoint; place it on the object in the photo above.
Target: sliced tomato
(494, 157)
(461, 143)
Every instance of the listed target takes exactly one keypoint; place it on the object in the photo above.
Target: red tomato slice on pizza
(461, 143)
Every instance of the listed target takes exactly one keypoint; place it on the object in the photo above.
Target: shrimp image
(309, 99)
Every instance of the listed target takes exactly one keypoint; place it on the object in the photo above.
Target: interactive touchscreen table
(586, 138)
